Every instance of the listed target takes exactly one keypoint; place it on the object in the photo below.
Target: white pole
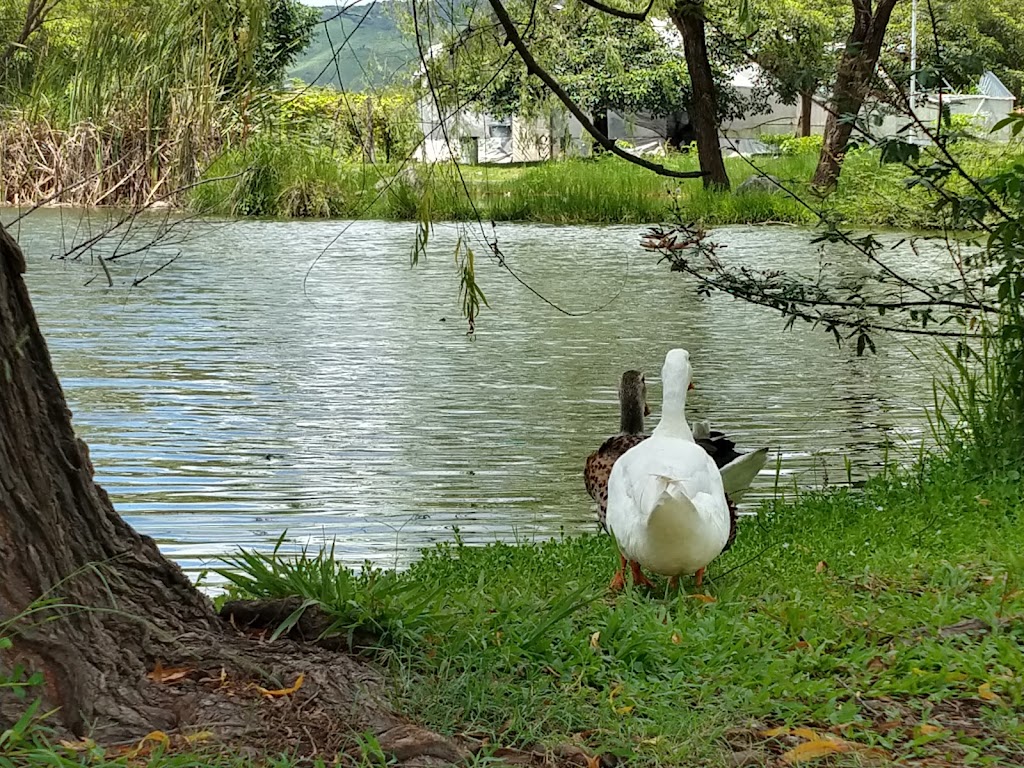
(913, 55)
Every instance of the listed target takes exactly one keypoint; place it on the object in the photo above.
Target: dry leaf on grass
(821, 567)
(78, 746)
(704, 598)
(806, 733)
(595, 640)
(676, 639)
(146, 745)
(812, 750)
(284, 691)
(985, 692)
(927, 729)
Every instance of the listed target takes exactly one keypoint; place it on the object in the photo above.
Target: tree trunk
(806, 104)
(688, 16)
(601, 123)
(121, 607)
(60, 538)
(856, 69)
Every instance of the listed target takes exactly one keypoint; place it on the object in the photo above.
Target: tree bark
(806, 104)
(119, 607)
(688, 16)
(856, 69)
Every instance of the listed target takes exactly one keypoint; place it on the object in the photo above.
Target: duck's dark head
(633, 402)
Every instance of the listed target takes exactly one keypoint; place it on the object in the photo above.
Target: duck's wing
(599, 467)
(719, 447)
(738, 474)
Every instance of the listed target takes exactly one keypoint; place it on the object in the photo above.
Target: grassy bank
(888, 621)
(281, 179)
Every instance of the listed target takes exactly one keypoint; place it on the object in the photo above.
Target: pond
(238, 394)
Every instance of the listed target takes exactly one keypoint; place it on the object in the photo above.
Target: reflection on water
(225, 404)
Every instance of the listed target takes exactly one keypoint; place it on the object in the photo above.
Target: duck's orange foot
(700, 577)
(639, 579)
(618, 582)
(673, 582)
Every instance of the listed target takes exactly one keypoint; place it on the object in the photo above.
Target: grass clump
(865, 615)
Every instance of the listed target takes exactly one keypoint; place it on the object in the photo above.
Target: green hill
(358, 48)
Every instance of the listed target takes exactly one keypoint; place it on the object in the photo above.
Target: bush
(802, 145)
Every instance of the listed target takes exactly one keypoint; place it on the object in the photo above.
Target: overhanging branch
(536, 69)
(634, 15)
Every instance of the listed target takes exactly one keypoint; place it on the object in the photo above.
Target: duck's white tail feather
(737, 475)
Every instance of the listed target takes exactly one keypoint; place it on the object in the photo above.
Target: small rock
(766, 183)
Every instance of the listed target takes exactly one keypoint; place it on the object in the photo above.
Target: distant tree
(974, 35)
(794, 45)
(602, 59)
(853, 79)
(288, 32)
(689, 18)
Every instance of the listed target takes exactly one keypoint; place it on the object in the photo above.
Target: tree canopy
(602, 62)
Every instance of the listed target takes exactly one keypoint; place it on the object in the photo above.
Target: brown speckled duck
(632, 409)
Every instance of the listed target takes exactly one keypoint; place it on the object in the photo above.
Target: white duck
(666, 503)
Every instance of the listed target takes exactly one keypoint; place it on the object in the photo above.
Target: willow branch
(536, 69)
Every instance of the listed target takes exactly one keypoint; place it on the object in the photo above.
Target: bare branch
(536, 69)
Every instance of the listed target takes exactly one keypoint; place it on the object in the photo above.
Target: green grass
(827, 614)
(280, 178)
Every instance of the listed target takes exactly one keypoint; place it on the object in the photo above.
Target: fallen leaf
(78, 746)
(624, 710)
(876, 664)
(985, 692)
(676, 639)
(811, 750)
(806, 733)
(169, 675)
(497, 637)
(615, 691)
(821, 567)
(704, 598)
(772, 733)
(284, 691)
(595, 640)
(146, 744)
(889, 725)
(983, 502)
(801, 645)
(927, 729)
(199, 737)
